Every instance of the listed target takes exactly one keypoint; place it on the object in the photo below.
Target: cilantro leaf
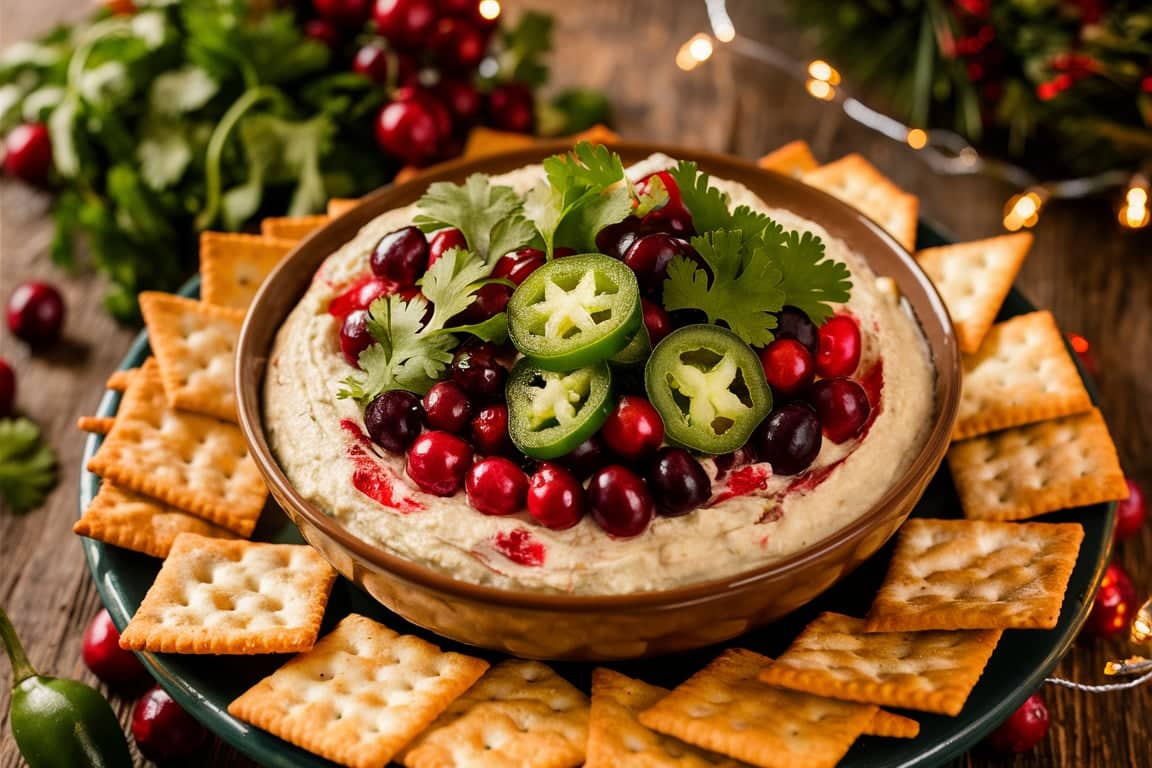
(810, 280)
(27, 465)
(494, 329)
(579, 228)
(181, 90)
(449, 284)
(511, 234)
(708, 205)
(474, 207)
(743, 291)
(587, 165)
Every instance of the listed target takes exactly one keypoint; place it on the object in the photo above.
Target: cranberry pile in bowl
(584, 382)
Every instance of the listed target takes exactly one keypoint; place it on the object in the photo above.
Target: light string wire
(1107, 688)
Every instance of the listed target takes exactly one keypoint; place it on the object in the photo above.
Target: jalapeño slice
(637, 351)
(552, 412)
(709, 388)
(575, 311)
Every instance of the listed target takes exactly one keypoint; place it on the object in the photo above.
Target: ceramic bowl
(559, 626)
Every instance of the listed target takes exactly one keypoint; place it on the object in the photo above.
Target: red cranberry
(620, 501)
(788, 366)
(839, 352)
(28, 153)
(163, 730)
(670, 221)
(415, 92)
(793, 323)
(446, 407)
(355, 336)
(490, 300)
(585, 458)
(7, 389)
(634, 428)
(323, 31)
(407, 23)
(1024, 728)
(555, 497)
(36, 313)
(457, 45)
(461, 8)
(511, 108)
(394, 419)
(656, 321)
(490, 430)
(678, 483)
(438, 461)
(789, 439)
(517, 265)
(360, 295)
(104, 656)
(478, 373)
(371, 60)
(842, 406)
(462, 100)
(349, 12)
(1130, 512)
(444, 241)
(410, 130)
(496, 486)
(401, 256)
(649, 258)
(1115, 604)
(615, 239)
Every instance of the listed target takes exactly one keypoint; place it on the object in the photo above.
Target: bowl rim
(251, 369)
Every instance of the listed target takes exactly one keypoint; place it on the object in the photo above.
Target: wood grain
(1096, 279)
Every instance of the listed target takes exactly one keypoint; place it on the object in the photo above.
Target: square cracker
(118, 380)
(130, 520)
(233, 266)
(100, 425)
(927, 671)
(975, 574)
(195, 463)
(232, 597)
(195, 347)
(973, 278)
(858, 183)
(793, 159)
(1022, 374)
(294, 228)
(1021, 473)
(725, 709)
(616, 737)
(520, 714)
(893, 726)
(360, 695)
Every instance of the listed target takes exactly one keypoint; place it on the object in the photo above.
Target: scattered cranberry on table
(446, 407)
(163, 730)
(788, 366)
(394, 419)
(490, 430)
(839, 347)
(461, 98)
(104, 656)
(633, 428)
(620, 502)
(789, 439)
(1130, 513)
(1024, 728)
(36, 313)
(555, 497)
(677, 482)
(443, 241)
(410, 130)
(456, 44)
(355, 336)
(401, 256)
(511, 108)
(438, 461)
(376, 62)
(28, 153)
(406, 23)
(7, 389)
(842, 406)
(1115, 604)
(496, 486)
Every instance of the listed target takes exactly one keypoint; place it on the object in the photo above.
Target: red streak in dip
(370, 478)
(744, 481)
(359, 294)
(518, 546)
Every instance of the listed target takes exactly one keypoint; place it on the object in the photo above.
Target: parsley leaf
(27, 465)
(475, 208)
(743, 291)
(810, 280)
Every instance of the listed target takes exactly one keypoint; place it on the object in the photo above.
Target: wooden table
(1095, 278)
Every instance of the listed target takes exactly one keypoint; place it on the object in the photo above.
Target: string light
(1142, 626)
(917, 138)
(694, 52)
(1134, 212)
(1023, 210)
(489, 9)
(822, 70)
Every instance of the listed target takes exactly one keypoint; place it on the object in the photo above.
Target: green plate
(205, 685)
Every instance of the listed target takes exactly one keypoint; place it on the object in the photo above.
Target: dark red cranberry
(561, 251)
(410, 130)
(657, 322)
(394, 419)
(615, 239)
(446, 407)
(1114, 605)
(741, 457)
(512, 108)
(788, 366)
(355, 336)
(1130, 512)
(462, 8)
(490, 300)
(517, 265)
(401, 256)
(406, 23)
(28, 153)
(634, 428)
(104, 656)
(415, 92)
(347, 12)
(789, 439)
(496, 486)
(36, 313)
(839, 352)
(649, 258)
(555, 497)
(585, 458)
(360, 295)
(479, 374)
(792, 323)
(490, 431)
(438, 461)
(842, 407)
(371, 60)
(7, 389)
(677, 222)
(457, 45)
(1024, 728)
(678, 483)
(620, 502)
(163, 730)
(443, 241)
(462, 100)
(323, 31)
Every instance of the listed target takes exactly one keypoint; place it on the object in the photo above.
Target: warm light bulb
(1136, 196)
(1023, 210)
(700, 47)
(820, 89)
(822, 70)
(1142, 627)
(917, 138)
(684, 59)
(489, 9)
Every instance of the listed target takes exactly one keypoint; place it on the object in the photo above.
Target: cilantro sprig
(27, 465)
(491, 218)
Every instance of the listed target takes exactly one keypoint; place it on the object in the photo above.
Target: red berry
(376, 62)
(1023, 729)
(788, 366)
(360, 295)
(393, 419)
(457, 45)
(634, 428)
(438, 461)
(792, 323)
(657, 322)
(1115, 605)
(445, 240)
(517, 265)
(163, 730)
(323, 31)
(446, 407)
(1130, 512)
(462, 8)
(354, 336)
(28, 153)
(409, 130)
(478, 372)
(839, 351)
(511, 108)
(842, 406)
(669, 221)
(7, 388)
(407, 23)
(496, 486)
(433, 102)
(678, 482)
(401, 256)
(490, 430)
(555, 497)
(350, 12)
(36, 313)
(620, 502)
(462, 100)
(104, 656)
(585, 458)
(650, 256)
